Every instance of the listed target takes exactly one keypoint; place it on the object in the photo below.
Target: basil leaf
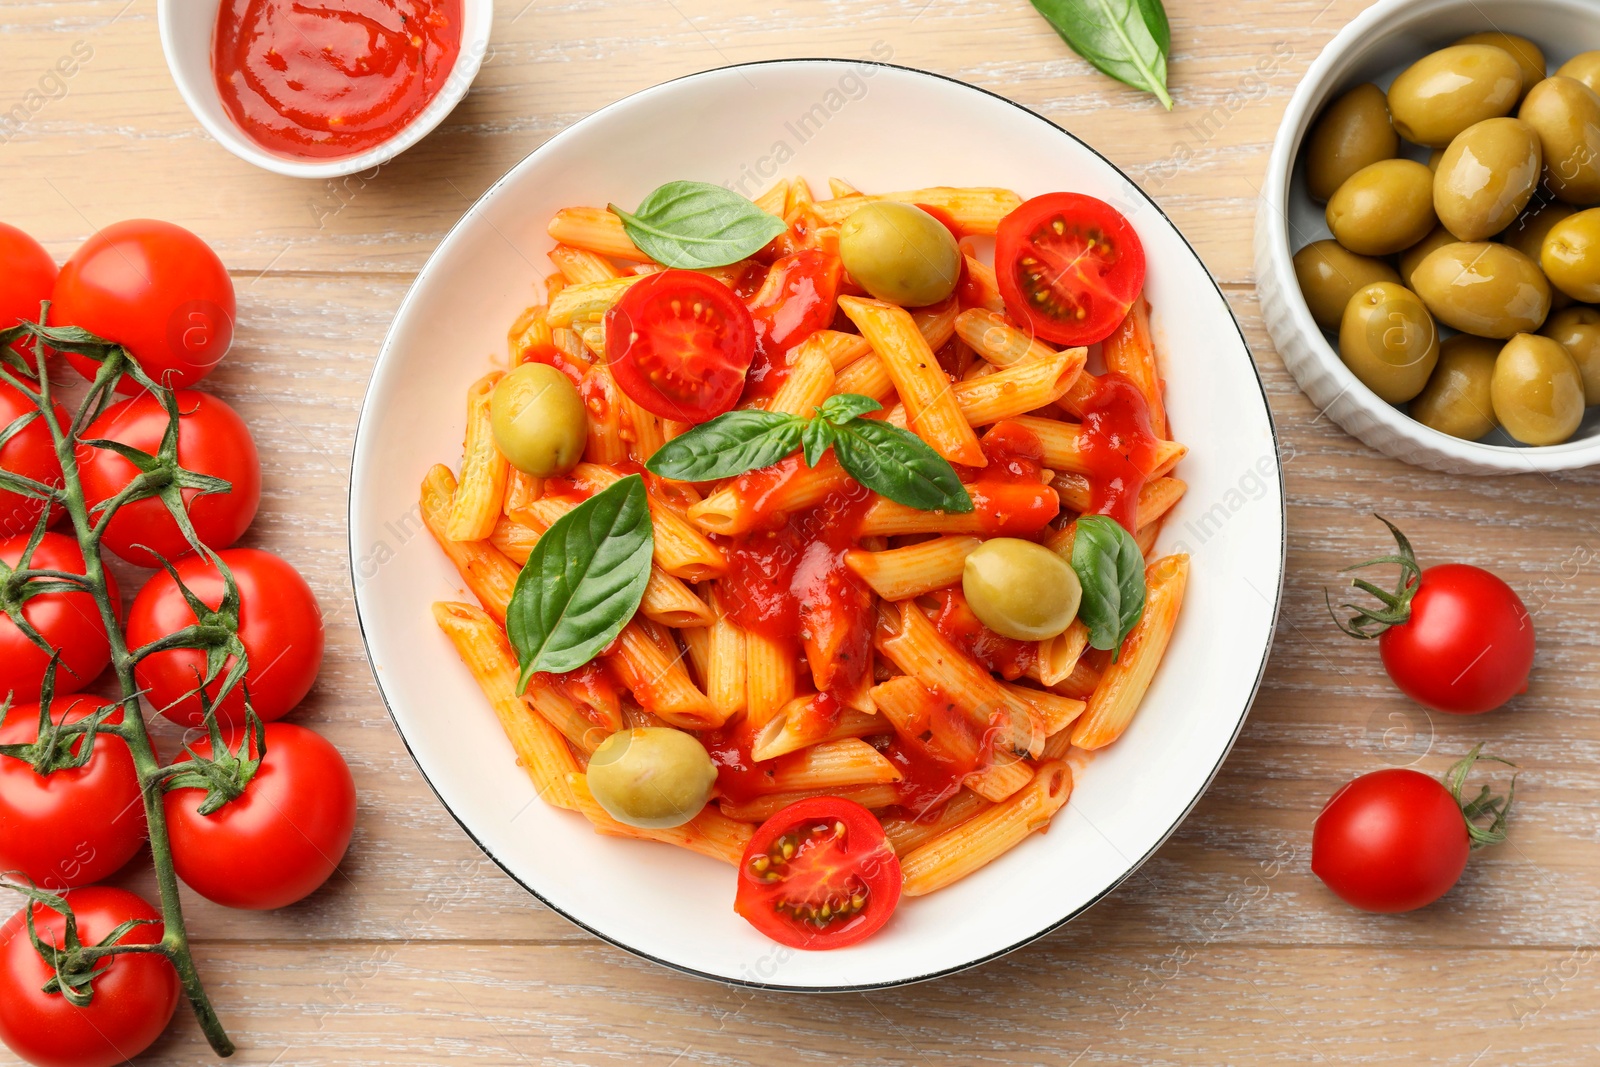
(816, 438)
(727, 445)
(582, 582)
(843, 407)
(695, 225)
(1110, 568)
(898, 464)
(1127, 39)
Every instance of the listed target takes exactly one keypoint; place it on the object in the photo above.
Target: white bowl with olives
(1428, 239)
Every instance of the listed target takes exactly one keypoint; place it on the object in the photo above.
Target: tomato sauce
(314, 79)
(1118, 448)
(934, 763)
(1007, 494)
(551, 356)
(789, 581)
(740, 777)
(594, 689)
(1005, 656)
(796, 300)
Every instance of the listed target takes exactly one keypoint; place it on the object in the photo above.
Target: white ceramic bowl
(187, 28)
(1381, 42)
(879, 127)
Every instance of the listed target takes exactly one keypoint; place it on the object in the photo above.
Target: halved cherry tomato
(819, 874)
(679, 343)
(1068, 265)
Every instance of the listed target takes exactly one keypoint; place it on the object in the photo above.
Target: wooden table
(1223, 949)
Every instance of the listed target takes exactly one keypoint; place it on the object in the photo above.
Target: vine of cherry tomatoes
(264, 819)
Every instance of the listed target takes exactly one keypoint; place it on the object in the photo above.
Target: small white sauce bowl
(1382, 41)
(187, 28)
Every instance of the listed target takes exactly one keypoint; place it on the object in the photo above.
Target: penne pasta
(983, 290)
(1013, 391)
(1063, 447)
(770, 676)
(903, 573)
(658, 680)
(1123, 685)
(810, 382)
(988, 835)
(887, 519)
(992, 336)
(1130, 351)
(726, 667)
(1155, 499)
(933, 413)
(580, 266)
(680, 549)
(801, 723)
(481, 491)
(587, 302)
(529, 334)
(483, 568)
(784, 487)
(906, 832)
(831, 765)
(1060, 654)
(975, 210)
(775, 201)
(597, 230)
(761, 808)
(540, 748)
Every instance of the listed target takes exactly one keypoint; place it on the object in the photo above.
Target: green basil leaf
(1110, 568)
(727, 445)
(1127, 39)
(843, 407)
(582, 582)
(898, 464)
(816, 438)
(694, 225)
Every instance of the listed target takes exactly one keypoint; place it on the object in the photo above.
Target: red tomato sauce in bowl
(324, 79)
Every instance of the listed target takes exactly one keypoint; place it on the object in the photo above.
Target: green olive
(1529, 56)
(1487, 176)
(1565, 113)
(1489, 290)
(1578, 331)
(1584, 67)
(651, 776)
(1446, 91)
(1389, 341)
(1528, 232)
(1433, 159)
(1419, 251)
(1537, 390)
(1352, 132)
(1020, 589)
(900, 253)
(1383, 207)
(1571, 255)
(1456, 399)
(538, 420)
(1330, 274)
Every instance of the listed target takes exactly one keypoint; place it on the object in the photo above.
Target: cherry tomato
(31, 453)
(279, 623)
(212, 439)
(30, 275)
(280, 839)
(72, 826)
(133, 999)
(1069, 266)
(838, 885)
(156, 289)
(1453, 637)
(67, 621)
(1392, 840)
(679, 343)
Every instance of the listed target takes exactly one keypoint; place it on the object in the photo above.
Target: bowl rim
(1274, 263)
(1133, 866)
(457, 83)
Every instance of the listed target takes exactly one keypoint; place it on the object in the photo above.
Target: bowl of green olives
(1428, 239)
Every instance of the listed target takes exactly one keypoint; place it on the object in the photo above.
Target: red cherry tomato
(133, 1000)
(840, 862)
(1069, 266)
(156, 289)
(279, 623)
(31, 453)
(280, 839)
(1453, 637)
(679, 343)
(1392, 840)
(67, 621)
(212, 439)
(30, 276)
(1468, 646)
(72, 826)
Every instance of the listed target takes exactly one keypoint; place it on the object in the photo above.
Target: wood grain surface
(1223, 949)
